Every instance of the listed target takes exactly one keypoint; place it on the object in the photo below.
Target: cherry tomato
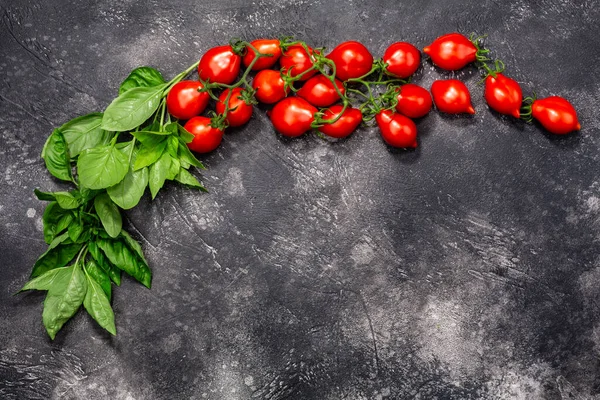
(345, 125)
(240, 110)
(264, 46)
(292, 116)
(352, 60)
(184, 101)
(503, 95)
(452, 51)
(413, 101)
(206, 138)
(296, 59)
(269, 86)
(555, 114)
(396, 129)
(320, 92)
(220, 64)
(402, 59)
(452, 96)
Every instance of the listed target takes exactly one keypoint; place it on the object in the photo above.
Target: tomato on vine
(206, 136)
(414, 101)
(184, 101)
(352, 60)
(452, 51)
(269, 86)
(220, 64)
(345, 125)
(239, 109)
(452, 96)
(292, 116)
(402, 59)
(320, 92)
(556, 114)
(264, 46)
(396, 129)
(295, 61)
(503, 94)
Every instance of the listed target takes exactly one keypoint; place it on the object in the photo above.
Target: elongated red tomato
(503, 95)
(452, 96)
(184, 101)
(352, 60)
(292, 116)
(452, 51)
(413, 101)
(220, 64)
(206, 138)
(264, 46)
(345, 125)
(269, 86)
(556, 115)
(396, 129)
(320, 92)
(402, 59)
(297, 61)
(239, 109)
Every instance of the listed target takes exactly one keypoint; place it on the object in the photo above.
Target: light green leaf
(67, 200)
(56, 156)
(188, 179)
(158, 174)
(44, 281)
(148, 154)
(132, 108)
(75, 229)
(109, 214)
(184, 134)
(187, 158)
(97, 304)
(127, 193)
(100, 276)
(141, 77)
(84, 133)
(60, 252)
(102, 167)
(126, 259)
(97, 254)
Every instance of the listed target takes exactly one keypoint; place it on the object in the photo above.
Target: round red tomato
(264, 46)
(402, 59)
(220, 64)
(296, 60)
(413, 101)
(269, 86)
(352, 60)
(452, 51)
(345, 125)
(556, 115)
(239, 109)
(320, 92)
(206, 138)
(396, 129)
(292, 116)
(452, 96)
(503, 95)
(184, 101)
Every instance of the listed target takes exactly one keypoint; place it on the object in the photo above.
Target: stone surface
(467, 269)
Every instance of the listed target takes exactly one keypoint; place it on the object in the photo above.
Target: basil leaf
(113, 272)
(87, 194)
(158, 174)
(127, 193)
(132, 108)
(141, 77)
(97, 304)
(67, 200)
(56, 156)
(54, 216)
(150, 138)
(84, 133)
(125, 259)
(75, 229)
(102, 167)
(44, 196)
(184, 134)
(44, 281)
(101, 277)
(109, 214)
(173, 169)
(133, 245)
(64, 298)
(173, 146)
(186, 157)
(188, 179)
(58, 255)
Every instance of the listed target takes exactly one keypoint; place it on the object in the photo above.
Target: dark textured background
(467, 269)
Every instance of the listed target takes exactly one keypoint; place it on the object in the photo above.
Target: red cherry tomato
(296, 59)
(452, 51)
(352, 60)
(269, 86)
(503, 95)
(184, 101)
(555, 114)
(239, 111)
(292, 116)
(220, 64)
(413, 101)
(452, 96)
(206, 138)
(320, 92)
(345, 125)
(402, 59)
(264, 46)
(396, 129)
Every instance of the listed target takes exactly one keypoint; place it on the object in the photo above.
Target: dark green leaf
(56, 156)
(99, 276)
(97, 254)
(44, 196)
(44, 281)
(102, 167)
(187, 158)
(75, 229)
(149, 154)
(158, 174)
(127, 193)
(133, 245)
(109, 214)
(84, 133)
(97, 304)
(60, 252)
(126, 259)
(141, 77)
(188, 179)
(87, 194)
(132, 108)
(55, 220)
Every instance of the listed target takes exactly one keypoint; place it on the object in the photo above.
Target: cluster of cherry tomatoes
(335, 93)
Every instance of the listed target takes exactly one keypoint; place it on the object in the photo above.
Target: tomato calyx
(526, 109)
(218, 121)
(482, 54)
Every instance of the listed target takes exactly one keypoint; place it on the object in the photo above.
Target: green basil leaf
(173, 169)
(87, 194)
(132, 108)
(150, 138)
(125, 259)
(84, 132)
(173, 146)
(158, 174)
(141, 77)
(97, 254)
(188, 179)
(44, 196)
(52, 215)
(149, 154)
(44, 281)
(58, 255)
(67, 200)
(109, 214)
(102, 167)
(75, 229)
(127, 193)
(184, 134)
(97, 304)
(133, 245)
(101, 277)
(56, 156)
(187, 158)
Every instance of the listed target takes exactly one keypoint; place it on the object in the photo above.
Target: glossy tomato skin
(184, 101)
(452, 96)
(269, 86)
(452, 51)
(413, 101)
(264, 46)
(396, 129)
(220, 64)
(239, 112)
(503, 95)
(296, 59)
(345, 125)
(320, 92)
(292, 116)
(352, 60)
(402, 59)
(556, 115)
(206, 138)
